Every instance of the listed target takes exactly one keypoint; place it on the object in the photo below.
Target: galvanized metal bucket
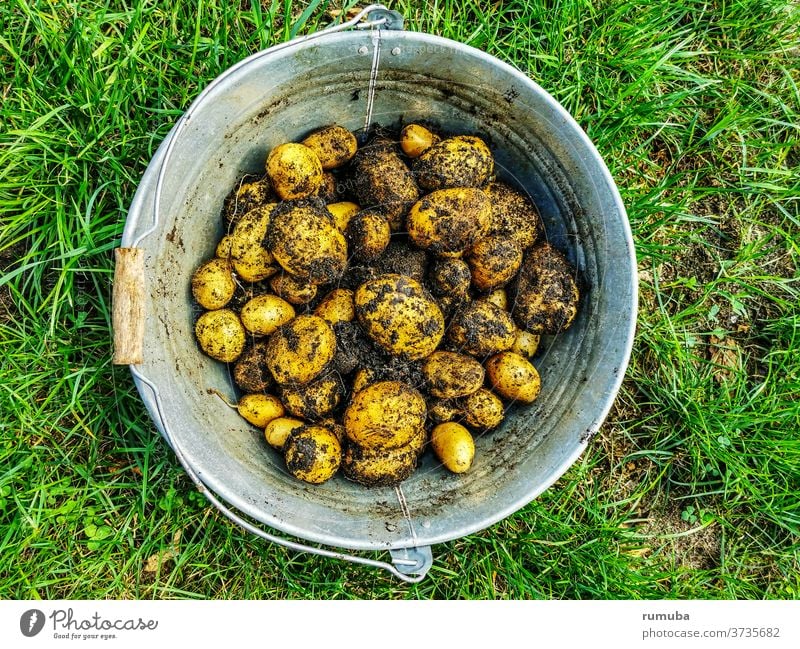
(381, 74)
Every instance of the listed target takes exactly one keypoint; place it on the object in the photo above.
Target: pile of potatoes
(375, 301)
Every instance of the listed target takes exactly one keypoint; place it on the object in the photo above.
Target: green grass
(688, 491)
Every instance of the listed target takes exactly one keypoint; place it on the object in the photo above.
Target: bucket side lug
(413, 561)
(394, 19)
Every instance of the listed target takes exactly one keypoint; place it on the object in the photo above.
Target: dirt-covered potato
(300, 350)
(313, 454)
(442, 410)
(337, 306)
(459, 161)
(334, 146)
(342, 212)
(265, 313)
(399, 315)
(449, 220)
(493, 261)
(313, 400)
(385, 415)
(513, 377)
(514, 216)
(454, 446)
(251, 259)
(362, 379)
(260, 409)
(526, 344)
(277, 431)
(416, 139)
(481, 329)
(293, 290)
(212, 284)
(450, 277)
(450, 375)
(294, 171)
(546, 293)
(382, 467)
(368, 233)
(336, 428)
(220, 334)
(250, 371)
(482, 410)
(246, 196)
(305, 241)
(223, 250)
(499, 298)
(383, 182)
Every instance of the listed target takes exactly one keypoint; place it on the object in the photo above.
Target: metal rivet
(363, 49)
(395, 51)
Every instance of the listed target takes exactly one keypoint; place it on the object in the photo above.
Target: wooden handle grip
(127, 305)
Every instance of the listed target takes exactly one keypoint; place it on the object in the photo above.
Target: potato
(513, 377)
(481, 329)
(442, 410)
(382, 467)
(313, 400)
(250, 372)
(450, 277)
(526, 344)
(449, 220)
(416, 139)
(300, 350)
(333, 145)
(212, 284)
(306, 243)
(459, 161)
(383, 182)
(514, 216)
(337, 306)
(367, 235)
(399, 315)
(482, 410)
(454, 446)
(336, 428)
(260, 409)
(385, 415)
(294, 171)
(450, 375)
(223, 250)
(277, 431)
(251, 259)
(220, 334)
(265, 313)
(362, 379)
(546, 293)
(342, 212)
(246, 196)
(499, 298)
(328, 190)
(313, 454)
(293, 290)
(493, 261)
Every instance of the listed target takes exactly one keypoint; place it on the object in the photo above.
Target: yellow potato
(480, 328)
(250, 372)
(459, 161)
(482, 410)
(368, 234)
(385, 415)
(526, 344)
(362, 379)
(399, 315)
(379, 468)
(442, 410)
(383, 182)
(251, 259)
(454, 446)
(342, 212)
(313, 454)
(306, 243)
(300, 350)
(514, 216)
(315, 399)
(294, 171)
(212, 284)
(450, 277)
(336, 428)
(223, 250)
(292, 289)
(246, 196)
(449, 221)
(499, 298)
(220, 334)
(337, 306)
(260, 409)
(334, 146)
(493, 261)
(513, 377)
(263, 314)
(416, 139)
(277, 431)
(450, 375)
(546, 296)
